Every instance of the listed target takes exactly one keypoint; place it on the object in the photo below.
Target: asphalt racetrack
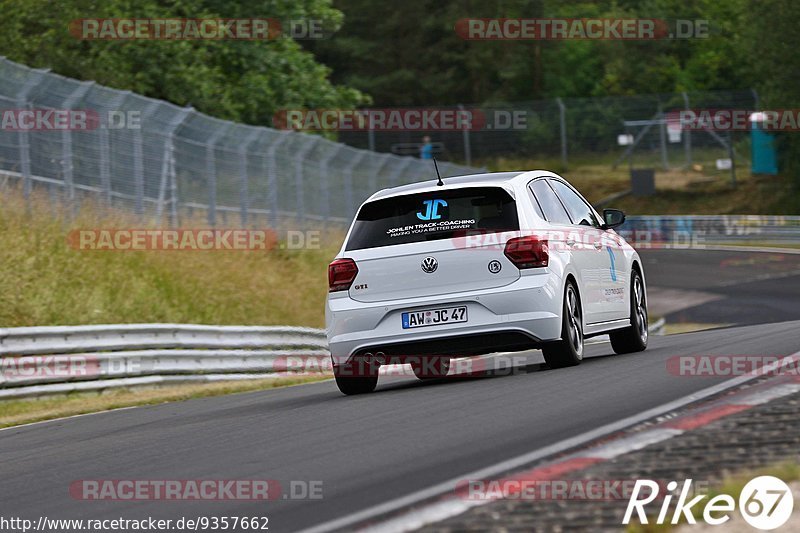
(408, 435)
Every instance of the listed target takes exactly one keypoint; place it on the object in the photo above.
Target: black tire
(633, 338)
(431, 367)
(356, 378)
(569, 350)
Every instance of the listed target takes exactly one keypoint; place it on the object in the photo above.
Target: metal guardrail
(58, 359)
(38, 361)
(72, 339)
(169, 164)
(698, 231)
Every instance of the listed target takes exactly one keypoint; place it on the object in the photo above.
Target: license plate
(434, 317)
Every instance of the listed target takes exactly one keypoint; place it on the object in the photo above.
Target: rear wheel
(431, 367)
(356, 378)
(634, 337)
(569, 350)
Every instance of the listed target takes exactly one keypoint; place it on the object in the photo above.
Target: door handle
(598, 245)
(570, 243)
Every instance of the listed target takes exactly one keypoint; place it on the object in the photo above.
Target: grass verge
(24, 411)
(674, 328)
(48, 282)
(702, 190)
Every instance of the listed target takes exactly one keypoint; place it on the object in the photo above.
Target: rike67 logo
(765, 503)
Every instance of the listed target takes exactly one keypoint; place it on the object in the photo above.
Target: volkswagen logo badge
(429, 265)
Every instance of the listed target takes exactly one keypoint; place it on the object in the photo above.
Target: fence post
(211, 172)
(371, 139)
(687, 135)
(105, 172)
(298, 176)
(66, 147)
(373, 178)
(325, 185)
(24, 146)
(105, 148)
(348, 182)
(399, 170)
(562, 120)
(662, 137)
(272, 177)
(25, 163)
(465, 136)
(173, 188)
(167, 167)
(138, 162)
(732, 157)
(756, 101)
(244, 189)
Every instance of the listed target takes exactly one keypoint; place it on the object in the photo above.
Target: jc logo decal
(432, 212)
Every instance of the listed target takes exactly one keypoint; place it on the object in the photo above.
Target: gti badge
(429, 265)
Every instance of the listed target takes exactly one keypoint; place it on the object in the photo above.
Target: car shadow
(493, 373)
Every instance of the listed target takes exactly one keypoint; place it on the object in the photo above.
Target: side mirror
(612, 218)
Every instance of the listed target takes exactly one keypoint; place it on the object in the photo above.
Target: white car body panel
(527, 302)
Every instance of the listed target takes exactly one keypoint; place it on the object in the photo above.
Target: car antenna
(440, 182)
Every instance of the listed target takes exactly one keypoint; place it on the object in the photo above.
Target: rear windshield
(433, 215)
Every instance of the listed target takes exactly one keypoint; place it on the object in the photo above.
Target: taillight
(527, 252)
(341, 273)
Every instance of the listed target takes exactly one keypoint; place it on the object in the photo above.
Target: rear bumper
(517, 316)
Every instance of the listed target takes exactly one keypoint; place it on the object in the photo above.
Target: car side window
(551, 206)
(536, 206)
(578, 209)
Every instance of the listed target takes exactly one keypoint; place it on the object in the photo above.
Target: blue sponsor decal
(432, 212)
(613, 262)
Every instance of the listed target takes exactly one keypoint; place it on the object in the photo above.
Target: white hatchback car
(482, 263)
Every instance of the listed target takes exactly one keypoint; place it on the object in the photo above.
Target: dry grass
(700, 190)
(753, 195)
(47, 282)
(595, 180)
(688, 327)
(15, 412)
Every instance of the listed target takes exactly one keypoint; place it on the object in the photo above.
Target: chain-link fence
(166, 163)
(619, 130)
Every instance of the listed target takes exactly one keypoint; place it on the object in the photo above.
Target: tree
(771, 42)
(409, 54)
(245, 81)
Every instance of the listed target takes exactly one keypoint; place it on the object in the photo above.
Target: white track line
(81, 415)
(441, 510)
(734, 248)
(60, 419)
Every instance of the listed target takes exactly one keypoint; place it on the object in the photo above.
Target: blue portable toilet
(762, 143)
